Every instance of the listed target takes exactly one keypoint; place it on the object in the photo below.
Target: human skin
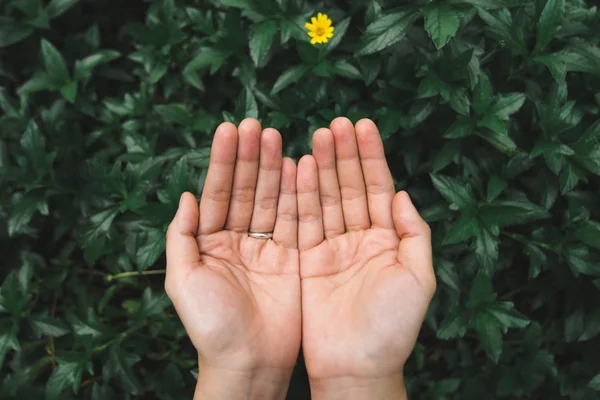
(365, 266)
(359, 253)
(239, 297)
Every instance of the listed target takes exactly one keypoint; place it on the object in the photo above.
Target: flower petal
(330, 29)
(313, 20)
(309, 26)
(314, 40)
(311, 34)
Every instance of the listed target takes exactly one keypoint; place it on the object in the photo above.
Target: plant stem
(135, 273)
(120, 337)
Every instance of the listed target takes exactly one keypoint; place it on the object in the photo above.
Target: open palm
(365, 258)
(239, 297)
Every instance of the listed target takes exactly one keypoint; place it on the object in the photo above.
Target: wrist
(390, 387)
(229, 384)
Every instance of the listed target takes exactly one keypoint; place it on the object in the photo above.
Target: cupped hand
(365, 259)
(239, 297)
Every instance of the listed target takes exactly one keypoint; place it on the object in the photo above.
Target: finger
(286, 225)
(267, 186)
(310, 221)
(378, 178)
(350, 176)
(414, 251)
(214, 203)
(182, 246)
(329, 188)
(245, 176)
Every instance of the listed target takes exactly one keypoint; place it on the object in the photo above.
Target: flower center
(320, 31)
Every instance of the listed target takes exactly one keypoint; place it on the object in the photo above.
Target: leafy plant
(489, 111)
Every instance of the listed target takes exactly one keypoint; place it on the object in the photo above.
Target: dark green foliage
(490, 113)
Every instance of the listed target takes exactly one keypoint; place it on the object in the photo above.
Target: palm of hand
(242, 306)
(239, 297)
(357, 308)
(365, 257)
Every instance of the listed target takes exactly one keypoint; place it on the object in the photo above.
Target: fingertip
(226, 129)
(187, 214)
(341, 123)
(270, 142)
(406, 217)
(250, 124)
(288, 174)
(366, 128)
(365, 123)
(322, 140)
(306, 167)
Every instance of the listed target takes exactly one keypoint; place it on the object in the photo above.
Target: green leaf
(488, 4)
(459, 101)
(39, 81)
(454, 191)
(23, 210)
(446, 272)
(346, 69)
(452, 326)
(483, 95)
(85, 66)
(493, 123)
(67, 373)
(549, 22)
(8, 341)
(147, 254)
(54, 62)
(47, 326)
(338, 34)
(206, 57)
(578, 258)
(289, 77)
(462, 127)
(495, 187)
(481, 291)
(504, 213)
(119, 367)
(589, 233)
(441, 23)
(594, 383)
(503, 31)
(486, 249)
(501, 142)
(555, 64)
(508, 104)
(449, 152)
(69, 91)
(261, 41)
(569, 178)
(385, 31)
(58, 7)
(12, 32)
(507, 316)
(101, 223)
(489, 334)
(153, 304)
(464, 228)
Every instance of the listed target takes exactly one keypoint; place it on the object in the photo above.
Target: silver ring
(261, 235)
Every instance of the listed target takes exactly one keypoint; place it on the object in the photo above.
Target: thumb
(182, 246)
(414, 251)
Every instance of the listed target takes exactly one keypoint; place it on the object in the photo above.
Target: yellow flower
(319, 29)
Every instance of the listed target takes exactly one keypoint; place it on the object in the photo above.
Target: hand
(239, 297)
(365, 265)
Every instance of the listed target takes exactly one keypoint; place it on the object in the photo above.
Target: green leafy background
(489, 111)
